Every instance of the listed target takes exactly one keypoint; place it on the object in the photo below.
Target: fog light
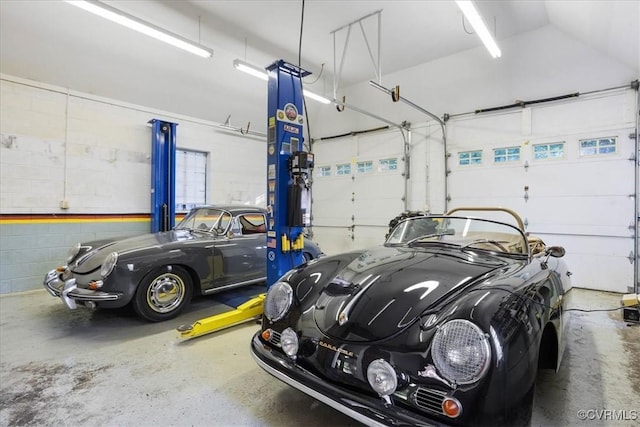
(382, 377)
(451, 407)
(289, 342)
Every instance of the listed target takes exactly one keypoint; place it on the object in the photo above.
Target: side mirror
(555, 251)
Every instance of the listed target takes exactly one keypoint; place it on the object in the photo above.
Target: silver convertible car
(214, 248)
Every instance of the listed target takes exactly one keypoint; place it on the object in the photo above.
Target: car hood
(383, 290)
(94, 258)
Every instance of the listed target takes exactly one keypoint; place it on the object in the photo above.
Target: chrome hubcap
(165, 293)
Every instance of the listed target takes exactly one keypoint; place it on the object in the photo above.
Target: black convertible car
(214, 248)
(446, 323)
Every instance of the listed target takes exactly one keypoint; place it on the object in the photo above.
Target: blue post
(285, 135)
(163, 175)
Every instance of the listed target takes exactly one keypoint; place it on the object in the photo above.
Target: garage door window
(365, 167)
(548, 151)
(388, 165)
(343, 169)
(324, 171)
(504, 155)
(466, 158)
(191, 179)
(596, 147)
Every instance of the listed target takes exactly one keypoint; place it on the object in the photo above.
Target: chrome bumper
(365, 409)
(71, 294)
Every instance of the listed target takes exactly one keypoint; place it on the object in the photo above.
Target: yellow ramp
(246, 312)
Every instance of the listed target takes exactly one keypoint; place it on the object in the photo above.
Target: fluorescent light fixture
(241, 65)
(316, 97)
(474, 18)
(130, 21)
(260, 73)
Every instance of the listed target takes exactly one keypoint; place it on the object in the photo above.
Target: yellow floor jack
(246, 312)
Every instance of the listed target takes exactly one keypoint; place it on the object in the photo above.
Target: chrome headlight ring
(278, 301)
(460, 351)
(109, 264)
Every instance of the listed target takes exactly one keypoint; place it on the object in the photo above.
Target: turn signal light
(451, 407)
(266, 334)
(61, 269)
(95, 284)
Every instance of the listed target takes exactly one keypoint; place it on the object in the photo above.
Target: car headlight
(278, 301)
(289, 342)
(382, 377)
(108, 264)
(461, 351)
(73, 252)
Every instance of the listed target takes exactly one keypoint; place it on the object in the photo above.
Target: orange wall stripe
(74, 218)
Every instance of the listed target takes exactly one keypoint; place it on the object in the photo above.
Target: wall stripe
(75, 218)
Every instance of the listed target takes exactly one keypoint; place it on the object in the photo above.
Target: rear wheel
(163, 294)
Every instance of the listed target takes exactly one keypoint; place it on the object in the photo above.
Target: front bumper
(71, 294)
(364, 409)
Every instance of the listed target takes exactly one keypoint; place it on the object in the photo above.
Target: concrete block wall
(30, 248)
(94, 154)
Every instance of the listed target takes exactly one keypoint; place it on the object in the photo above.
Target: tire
(163, 294)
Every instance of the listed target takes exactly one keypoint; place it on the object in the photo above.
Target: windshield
(467, 233)
(206, 219)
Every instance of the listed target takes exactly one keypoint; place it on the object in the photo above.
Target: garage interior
(415, 115)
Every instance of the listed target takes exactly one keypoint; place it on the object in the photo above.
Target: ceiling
(56, 43)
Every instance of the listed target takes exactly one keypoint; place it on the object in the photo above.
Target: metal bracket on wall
(377, 65)
(341, 104)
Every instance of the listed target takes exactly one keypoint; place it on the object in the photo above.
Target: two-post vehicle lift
(288, 198)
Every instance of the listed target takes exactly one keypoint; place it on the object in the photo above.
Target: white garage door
(567, 169)
(358, 187)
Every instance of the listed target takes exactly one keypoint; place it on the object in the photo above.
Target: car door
(242, 252)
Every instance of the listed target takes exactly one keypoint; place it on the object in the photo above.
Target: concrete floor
(108, 368)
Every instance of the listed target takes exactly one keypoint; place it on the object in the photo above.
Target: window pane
(511, 154)
(607, 150)
(607, 146)
(588, 147)
(364, 167)
(324, 171)
(388, 165)
(191, 179)
(343, 169)
(540, 151)
(470, 158)
(556, 150)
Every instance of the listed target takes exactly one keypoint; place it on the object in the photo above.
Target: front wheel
(163, 294)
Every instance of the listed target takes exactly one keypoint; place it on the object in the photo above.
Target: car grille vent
(275, 337)
(429, 399)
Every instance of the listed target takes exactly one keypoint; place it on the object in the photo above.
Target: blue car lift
(287, 193)
(163, 175)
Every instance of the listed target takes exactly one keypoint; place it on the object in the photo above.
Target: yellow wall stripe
(61, 219)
